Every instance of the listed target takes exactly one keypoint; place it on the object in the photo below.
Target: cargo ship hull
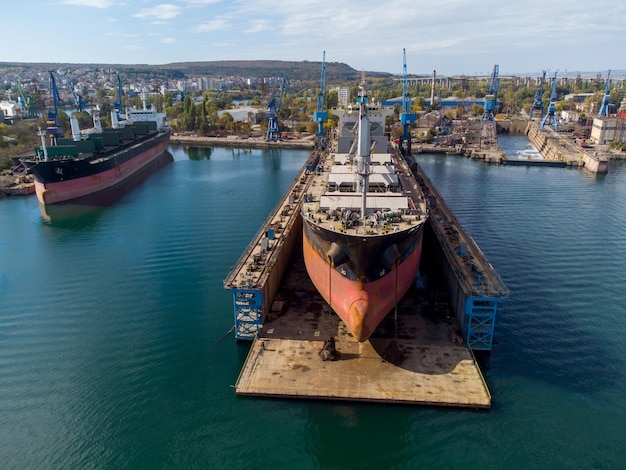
(363, 220)
(373, 274)
(65, 180)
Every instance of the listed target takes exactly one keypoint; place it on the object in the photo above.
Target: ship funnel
(75, 128)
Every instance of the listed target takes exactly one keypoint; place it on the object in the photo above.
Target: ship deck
(319, 202)
(284, 360)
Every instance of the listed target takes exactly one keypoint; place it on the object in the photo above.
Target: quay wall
(235, 141)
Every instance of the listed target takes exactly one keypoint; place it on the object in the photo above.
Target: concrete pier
(556, 148)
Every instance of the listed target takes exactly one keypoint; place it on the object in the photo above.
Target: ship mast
(362, 158)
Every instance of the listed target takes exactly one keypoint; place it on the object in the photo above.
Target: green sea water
(115, 351)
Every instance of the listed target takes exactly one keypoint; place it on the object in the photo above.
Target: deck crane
(604, 107)
(54, 128)
(26, 102)
(406, 116)
(273, 107)
(491, 97)
(538, 103)
(78, 99)
(550, 117)
(321, 114)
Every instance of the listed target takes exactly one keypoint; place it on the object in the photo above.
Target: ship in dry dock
(362, 226)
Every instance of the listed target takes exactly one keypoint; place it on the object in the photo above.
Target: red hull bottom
(361, 306)
(53, 193)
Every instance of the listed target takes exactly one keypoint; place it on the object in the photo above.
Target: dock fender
(336, 255)
(391, 257)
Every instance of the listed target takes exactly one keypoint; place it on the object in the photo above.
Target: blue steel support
(550, 117)
(479, 318)
(248, 310)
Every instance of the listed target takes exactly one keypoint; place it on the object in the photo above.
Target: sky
(453, 37)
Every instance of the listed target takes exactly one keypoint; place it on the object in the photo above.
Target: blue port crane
(78, 99)
(604, 107)
(273, 107)
(321, 114)
(54, 129)
(550, 117)
(491, 97)
(406, 116)
(538, 103)
(118, 105)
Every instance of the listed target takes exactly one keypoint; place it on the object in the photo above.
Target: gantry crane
(273, 107)
(406, 116)
(321, 114)
(604, 107)
(550, 117)
(538, 103)
(54, 129)
(491, 97)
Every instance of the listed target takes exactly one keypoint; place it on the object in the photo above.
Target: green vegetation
(17, 140)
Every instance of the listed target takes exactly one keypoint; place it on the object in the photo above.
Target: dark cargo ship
(363, 225)
(99, 159)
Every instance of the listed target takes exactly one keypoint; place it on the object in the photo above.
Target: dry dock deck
(284, 361)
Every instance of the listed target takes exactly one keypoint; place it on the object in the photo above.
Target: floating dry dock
(420, 354)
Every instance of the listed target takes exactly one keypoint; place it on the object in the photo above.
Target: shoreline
(244, 142)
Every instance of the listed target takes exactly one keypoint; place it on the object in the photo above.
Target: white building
(605, 130)
(10, 108)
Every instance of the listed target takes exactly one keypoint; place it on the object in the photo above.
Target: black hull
(54, 171)
(368, 258)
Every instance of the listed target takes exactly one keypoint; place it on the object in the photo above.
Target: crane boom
(406, 116)
(604, 107)
(273, 107)
(550, 117)
(54, 126)
(321, 115)
(538, 103)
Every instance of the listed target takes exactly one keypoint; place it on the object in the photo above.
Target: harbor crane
(26, 102)
(491, 97)
(538, 103)
(604, 107)
(550, 117)
(118, 105)
(321, 114)
(273, 107)
(406, 116)
(78, 99)
(54, 129)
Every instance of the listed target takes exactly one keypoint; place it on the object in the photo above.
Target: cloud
(202, 2)
(168, 40)
(258, 26)
(89, 3)
(213, 25)
(165, 11)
